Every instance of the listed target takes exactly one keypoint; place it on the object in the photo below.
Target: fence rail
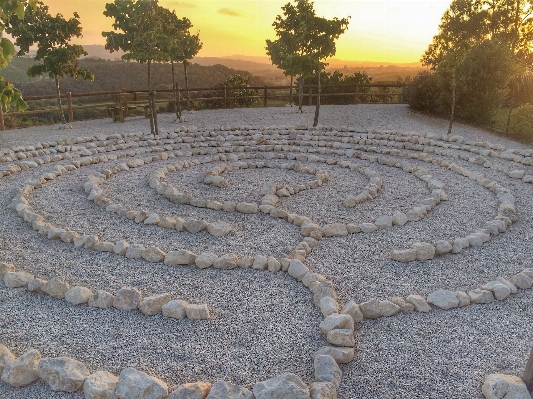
(361, 93)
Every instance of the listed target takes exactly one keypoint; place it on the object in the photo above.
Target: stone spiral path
(288, 234)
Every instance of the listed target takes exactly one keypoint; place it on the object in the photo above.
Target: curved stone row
(64, 374)
(127, 298)
(499, 289)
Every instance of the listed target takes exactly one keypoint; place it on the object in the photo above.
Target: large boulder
(286, 385)
(63, 373)
(100, 385)
(134, 384)
(501, 386)
(23, 370)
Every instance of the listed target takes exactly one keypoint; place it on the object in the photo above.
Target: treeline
(118, 75)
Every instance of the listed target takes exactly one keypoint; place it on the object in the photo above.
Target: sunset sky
(395, 31)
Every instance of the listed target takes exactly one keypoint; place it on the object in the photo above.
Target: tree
(305, 41)
(236, 87)
(52, 35)
(8, 93)
(141, 35)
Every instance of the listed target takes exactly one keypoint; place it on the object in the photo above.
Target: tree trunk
(150, 99)
(177, 109)
(516, 27)
(300, 92)
(511, 103)
(187, 86)
(317, 109)
(452, 115)
(290, 91)
(58, 92)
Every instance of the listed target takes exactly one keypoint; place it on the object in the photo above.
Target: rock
(501, 386)
(502, 280)
(153, 304)
(522, 281)
(424, 250)
(443, 247)
(78, 295)
(197, 312)
(205, 259)
(194, 226)
(273, 265)
(23, 370)
(133, 384)
(517, 174)
(228, 261)
(56, 288)
(245, 207)
(323, 390)
(286, 385)
(371, 309)
(388, 308)
(181, 257)
(353, 228)
(419, 303)
(217, 181)
(5, 357)
(334, 230)
(297, 269)
(101, 299)
(6, 267)
(327, 370)
(229, 206)
(127, 298)
(134, 251)
(260, 262)
(153, 254)
(459, 244)
(226, 390)
(480, 296)
(328, 306)
(246, 262)
(341, 355)
(352, 309)
(368, 227)
(100, 385)
(404, 255)
(219, 229)
(17, 279)
(383, 222)
(336, 321)
(341, 337)
(464, 299)
(167, 222)
(404, 306)
(399, 218)
(499, 290)
(121, 247)
(63, 374)
(444, 299)
(152, 219)
(193, 390)
(175, 309)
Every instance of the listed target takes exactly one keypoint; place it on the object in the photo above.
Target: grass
(499, 126)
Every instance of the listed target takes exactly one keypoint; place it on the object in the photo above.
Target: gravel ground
(263, 323)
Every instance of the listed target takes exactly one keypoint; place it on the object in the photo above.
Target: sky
(394, 31)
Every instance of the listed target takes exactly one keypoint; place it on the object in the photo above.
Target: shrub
(423, 92)
(522, 122)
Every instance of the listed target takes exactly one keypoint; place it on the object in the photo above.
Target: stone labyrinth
(156, 236)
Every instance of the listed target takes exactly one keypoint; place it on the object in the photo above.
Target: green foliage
(522, 122)
(424, 92)
(332, 83)
(236, 86)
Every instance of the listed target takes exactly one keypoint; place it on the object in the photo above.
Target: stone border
(127, 298)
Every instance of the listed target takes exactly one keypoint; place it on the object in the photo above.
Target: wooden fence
(386, 93)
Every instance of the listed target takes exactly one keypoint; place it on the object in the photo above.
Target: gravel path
(265, 323)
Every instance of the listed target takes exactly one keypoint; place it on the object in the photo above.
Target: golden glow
(392, 31)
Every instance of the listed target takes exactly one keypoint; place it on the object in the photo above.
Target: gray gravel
(263, 323)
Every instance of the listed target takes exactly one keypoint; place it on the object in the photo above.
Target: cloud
(180, 4)
(230, 12)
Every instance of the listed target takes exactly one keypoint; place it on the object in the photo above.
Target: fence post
(357, 94)
(69, 104)
(310, 96)
(225, 97)
(528, 373)
(265, 98)
(2, 127)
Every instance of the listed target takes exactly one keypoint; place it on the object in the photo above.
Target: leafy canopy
(181, 45)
